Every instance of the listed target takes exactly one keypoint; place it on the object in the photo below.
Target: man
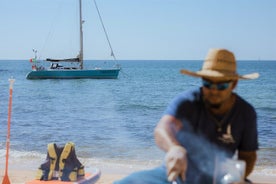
(204, 124)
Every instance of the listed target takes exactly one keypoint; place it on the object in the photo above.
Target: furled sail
(64, 60)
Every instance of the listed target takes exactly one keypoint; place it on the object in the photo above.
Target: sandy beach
(22, 169)
(108, 176)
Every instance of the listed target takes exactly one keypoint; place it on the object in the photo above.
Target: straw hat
(220, 64)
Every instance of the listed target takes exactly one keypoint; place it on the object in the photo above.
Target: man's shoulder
(192, 94)
(190, 97)
(184, 103)
(244, 104)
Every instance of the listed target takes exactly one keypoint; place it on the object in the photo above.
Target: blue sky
(139, 29)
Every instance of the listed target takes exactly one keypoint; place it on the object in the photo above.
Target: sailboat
(72, 68)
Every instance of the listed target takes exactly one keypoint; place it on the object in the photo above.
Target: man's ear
(234, 84)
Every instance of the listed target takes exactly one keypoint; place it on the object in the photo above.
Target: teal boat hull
(74, 74)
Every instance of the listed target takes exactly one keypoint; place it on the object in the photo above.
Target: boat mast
(81, 36)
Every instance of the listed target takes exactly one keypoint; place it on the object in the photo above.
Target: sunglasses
(219, 86)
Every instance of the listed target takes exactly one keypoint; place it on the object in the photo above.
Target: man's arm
(250, 158)
(165, 132)
(176, 156)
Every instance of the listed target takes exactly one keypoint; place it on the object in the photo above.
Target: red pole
(6, 179)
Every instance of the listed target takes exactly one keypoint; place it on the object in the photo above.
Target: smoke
(202, 155)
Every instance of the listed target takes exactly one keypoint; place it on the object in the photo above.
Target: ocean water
(112, 121)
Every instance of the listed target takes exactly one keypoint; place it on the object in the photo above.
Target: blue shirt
(238, 129)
